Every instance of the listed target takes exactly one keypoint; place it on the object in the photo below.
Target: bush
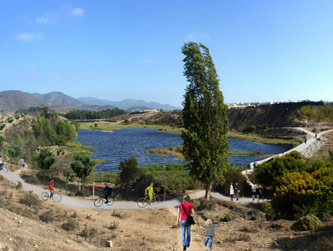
(298, 194)
(70, 225)
(47, 216)
(269, 171)
(88, 233)
(19, 185)
(31, 200)
(309, 222)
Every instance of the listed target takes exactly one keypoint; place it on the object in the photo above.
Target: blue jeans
(186, 233)
(237, 195)
(51, 194)
(209, 239)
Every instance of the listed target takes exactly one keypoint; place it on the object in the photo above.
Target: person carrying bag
(185, 220)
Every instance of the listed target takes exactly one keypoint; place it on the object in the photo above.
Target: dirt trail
(196, 240)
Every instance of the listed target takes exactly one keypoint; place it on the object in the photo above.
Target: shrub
(113, 225)
(300, 193)
(88, 233)
(2, 126)
(31, 200)
(267, 208)
(70, 225)
(309, 222)
(269, 171)
(229, 217)
(19, 185)
(47, 216)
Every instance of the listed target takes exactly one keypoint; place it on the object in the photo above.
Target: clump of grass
(74, 215)
(70, 225)
(19, 185)
(229, 217)
(31, 200)
(47, 216)
(115, 214)
(88, 233)
(113, 225)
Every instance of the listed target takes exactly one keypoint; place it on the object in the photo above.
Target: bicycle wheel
(98, 202)
(142, 202)
(110, 201)
(156, 199)
(45, 196)
(57, 197)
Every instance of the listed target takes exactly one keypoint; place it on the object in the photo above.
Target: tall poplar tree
(205, 118)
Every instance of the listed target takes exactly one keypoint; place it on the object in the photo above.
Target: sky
(263, 50)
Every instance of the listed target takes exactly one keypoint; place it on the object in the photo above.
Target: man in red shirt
(51, 188)
(181, 220)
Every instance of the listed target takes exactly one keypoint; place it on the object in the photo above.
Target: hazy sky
(262, 50)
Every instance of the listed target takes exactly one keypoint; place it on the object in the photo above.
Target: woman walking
(185, 208)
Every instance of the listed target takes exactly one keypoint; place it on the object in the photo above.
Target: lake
(119, 145)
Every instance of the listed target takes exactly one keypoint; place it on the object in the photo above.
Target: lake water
(119, 145)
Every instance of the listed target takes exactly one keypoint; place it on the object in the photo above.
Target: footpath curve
(76, 202)
(307, 148)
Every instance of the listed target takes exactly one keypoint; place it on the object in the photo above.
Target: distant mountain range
(127, 104)
(14, 100)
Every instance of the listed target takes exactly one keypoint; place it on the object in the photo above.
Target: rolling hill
(17, 100)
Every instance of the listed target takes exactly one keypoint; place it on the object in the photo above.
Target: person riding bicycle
(51, 188)
(150, 191)
(107, 192)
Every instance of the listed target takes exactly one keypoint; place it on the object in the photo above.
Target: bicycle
(56, 197)
(143, 202)
(99, 201)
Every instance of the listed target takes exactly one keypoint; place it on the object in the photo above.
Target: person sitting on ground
(150, 191)
(107, 192)
(209, 233)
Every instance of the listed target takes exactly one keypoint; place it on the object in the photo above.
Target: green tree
(130, 171)
(2, 139)
(205, 118)
(44, 161)
(14, 151)
(82, 166)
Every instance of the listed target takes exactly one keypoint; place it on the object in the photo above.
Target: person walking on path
(259, 193)
(231, 192)
(209, 233)
(51, 188)
(237, 191)
(181, 220)
(1, 163)
(21, 163)
(254, 189)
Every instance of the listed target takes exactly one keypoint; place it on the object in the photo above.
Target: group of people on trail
(232, 191)
(185, 221)
(256, 192)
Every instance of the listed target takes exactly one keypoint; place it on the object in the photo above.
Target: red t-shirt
(188, 206)
(51, 185)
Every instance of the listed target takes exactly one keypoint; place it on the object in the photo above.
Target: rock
(109, 244)
(19, 222)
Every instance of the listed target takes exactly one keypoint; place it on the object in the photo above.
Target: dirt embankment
(32, 224)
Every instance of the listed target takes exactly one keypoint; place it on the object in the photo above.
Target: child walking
(209, 233)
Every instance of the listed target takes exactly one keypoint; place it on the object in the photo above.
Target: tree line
(85, 114)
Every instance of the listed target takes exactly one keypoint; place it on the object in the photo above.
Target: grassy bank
(111, 126)
(258, 138)
(177, 151)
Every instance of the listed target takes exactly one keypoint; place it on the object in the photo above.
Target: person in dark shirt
(107, 192)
